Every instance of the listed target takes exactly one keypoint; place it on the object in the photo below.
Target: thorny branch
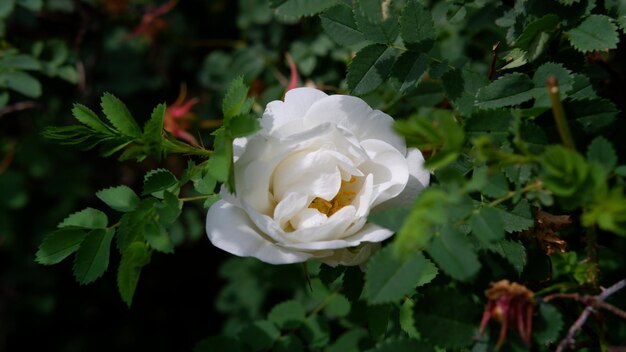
(591, 302)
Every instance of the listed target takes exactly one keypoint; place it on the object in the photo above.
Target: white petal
(369, 233)
(334, 227)
(389, 167)
(419, 178)
(289, 206)
(308, 218)
(355, 116)
(297, 102)
(230, 229)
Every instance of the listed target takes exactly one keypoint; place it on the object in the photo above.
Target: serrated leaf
(329, 274)
(134, 257)
(582, 88)
(338, 22)
(595, 33)
(417, 27)
(408, 70)
(374, 27)
(461, 87)
(157, 237)
(533, 31)
(388, 279)
(287, 315)
(59, 245)
(21, 82)
(540, 78)
(391, 219)
(87, 117)
(454, 254)
(243, 125)
(378, 320)
(338, 307)
(447, 317)
(591, 115)
(169, 209)
(518, 219)
(602, 151)
(120, 198)
(92, 258)
(494, 123)
(548, 325)
(119, 116)
(370, 68)
(293, 9)
(406, 320)
(402, 345)
(234, 99)
(487, 225)
(513, 252)
(132, 223)
(158, 180)
(153, 129)
(510, 89)
(87, 218)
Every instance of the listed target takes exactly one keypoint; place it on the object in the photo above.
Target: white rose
(308, 180)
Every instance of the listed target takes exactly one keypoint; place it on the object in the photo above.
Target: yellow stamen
(342, 199)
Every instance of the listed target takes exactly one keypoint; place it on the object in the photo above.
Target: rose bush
(306, 182)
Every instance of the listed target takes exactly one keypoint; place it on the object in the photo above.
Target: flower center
(344, 197)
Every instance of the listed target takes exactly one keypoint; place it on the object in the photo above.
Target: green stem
(533, 186)
(559, 113)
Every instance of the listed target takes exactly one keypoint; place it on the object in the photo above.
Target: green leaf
(353, 282)
(157, 237)
(540, 78)
(461, 87)
(408, 70)
(454, 254)
(134, 257)
(59, 245)
(388, 279)
(378, 320)
(153, 129)
(602, 151)
(417, 26)
(564, 170)
(370, 68)
(514, 252)
(32, 5)
(234, 99)
(510, 89)
(548, 325)
(582, 88)
(87, 117)
(19, 62)
(447, 317)
(6, 7)
(119, 116)
(494, 123)
(348, 341)
(595, 33)
(329, 274)
(316, 332)
(120, 198)
(518, 219)
(535, 36)
(406, 319)
(288, 343)
(169, 209)
(338, 307)
(591, 115)
(401, 345)
(92, 258)
(87, 218)
(243, 125)
(391, 219)
(293, 9)
(21, 82)
(218, 166)
(287, 315)
(369, 20)
(487, 225)
(158, 180)
(338, 22)
(132, 223)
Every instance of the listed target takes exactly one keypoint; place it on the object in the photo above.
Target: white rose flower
(307, 181)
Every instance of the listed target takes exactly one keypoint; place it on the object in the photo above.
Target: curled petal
(230, 229)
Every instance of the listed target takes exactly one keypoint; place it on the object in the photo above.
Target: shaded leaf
(299, 8)
(59, 245)
(487, 225)
(408, 70)
(388, 279)
(287, 315)
(158, 180)
(338, 22)
(370, 68)
(454, 254)
(510, 89)
(21, 82)
(401, 345)
(548, 325)
(92, 258)
(378, 320)
(417, 26)
(518, 219)
(134, 258)
(514, 252)
(87, 117)
(602, 151)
